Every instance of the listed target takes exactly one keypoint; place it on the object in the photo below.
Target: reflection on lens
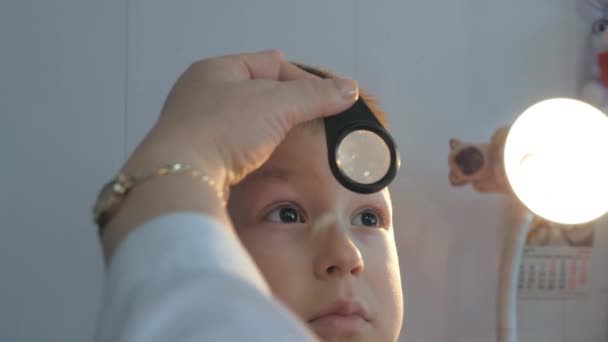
(363, 157)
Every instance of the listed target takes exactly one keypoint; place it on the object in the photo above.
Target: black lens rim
(365, 188)
(358, 117)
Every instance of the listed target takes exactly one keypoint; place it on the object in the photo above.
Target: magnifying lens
(361, 153)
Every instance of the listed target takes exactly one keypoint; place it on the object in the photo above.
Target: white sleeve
(186, 277)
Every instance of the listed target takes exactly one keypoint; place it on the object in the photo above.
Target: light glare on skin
(322, 221)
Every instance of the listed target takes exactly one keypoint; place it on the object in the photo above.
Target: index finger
(270, 65)
(291, 72)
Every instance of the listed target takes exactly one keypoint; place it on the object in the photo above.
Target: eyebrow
(288, 175)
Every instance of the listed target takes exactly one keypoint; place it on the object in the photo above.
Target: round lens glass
(363, 156)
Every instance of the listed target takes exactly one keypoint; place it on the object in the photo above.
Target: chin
(349, 338)
(340, 329)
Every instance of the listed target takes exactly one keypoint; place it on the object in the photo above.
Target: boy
(327, 253)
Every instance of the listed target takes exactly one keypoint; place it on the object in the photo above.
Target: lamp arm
(508, 277)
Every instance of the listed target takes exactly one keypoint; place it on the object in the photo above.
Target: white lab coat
(186, 277)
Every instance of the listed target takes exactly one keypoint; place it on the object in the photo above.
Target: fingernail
(349, 90)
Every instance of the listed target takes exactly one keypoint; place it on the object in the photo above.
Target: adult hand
(224, 116)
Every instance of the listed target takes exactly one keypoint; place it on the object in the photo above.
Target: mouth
(341, 318)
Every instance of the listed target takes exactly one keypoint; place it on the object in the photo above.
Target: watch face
(106, 200)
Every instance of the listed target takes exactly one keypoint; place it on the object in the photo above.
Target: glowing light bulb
(556, 160)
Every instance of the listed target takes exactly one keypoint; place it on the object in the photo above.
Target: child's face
(322, 248)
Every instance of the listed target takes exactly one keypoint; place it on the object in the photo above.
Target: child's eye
(368, 218)
(285, 214)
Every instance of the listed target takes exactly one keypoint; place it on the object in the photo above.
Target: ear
(499, 137)
(454, 142)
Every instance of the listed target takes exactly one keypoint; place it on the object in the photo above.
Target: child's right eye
(285, 214)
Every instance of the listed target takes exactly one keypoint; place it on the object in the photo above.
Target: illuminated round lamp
(556, 160)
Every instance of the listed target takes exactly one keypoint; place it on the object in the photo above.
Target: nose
(337, 254)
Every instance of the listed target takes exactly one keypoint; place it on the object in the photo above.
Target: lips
(341, 318)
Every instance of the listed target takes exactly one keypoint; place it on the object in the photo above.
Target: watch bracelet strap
(123, 184)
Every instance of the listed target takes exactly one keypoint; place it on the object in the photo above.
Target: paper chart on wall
(556, 261)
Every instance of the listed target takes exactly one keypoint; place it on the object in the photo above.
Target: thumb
(305, 100)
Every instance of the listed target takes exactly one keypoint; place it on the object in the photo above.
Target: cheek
(283, 261)
(382, 268)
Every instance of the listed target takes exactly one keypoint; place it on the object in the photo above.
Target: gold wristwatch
(113, 193)
(109, 199)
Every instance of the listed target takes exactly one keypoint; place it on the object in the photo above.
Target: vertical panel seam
(126, 80)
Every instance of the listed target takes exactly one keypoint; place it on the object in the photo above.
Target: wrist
(166, 178)
(161, 195)
(155, 152)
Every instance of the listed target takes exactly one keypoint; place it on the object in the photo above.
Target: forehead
(303, 153)
(301, 161)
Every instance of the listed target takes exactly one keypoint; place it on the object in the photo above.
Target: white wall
(82, 81)
(62, 133)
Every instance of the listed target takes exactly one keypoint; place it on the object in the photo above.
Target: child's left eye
(368, 218)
